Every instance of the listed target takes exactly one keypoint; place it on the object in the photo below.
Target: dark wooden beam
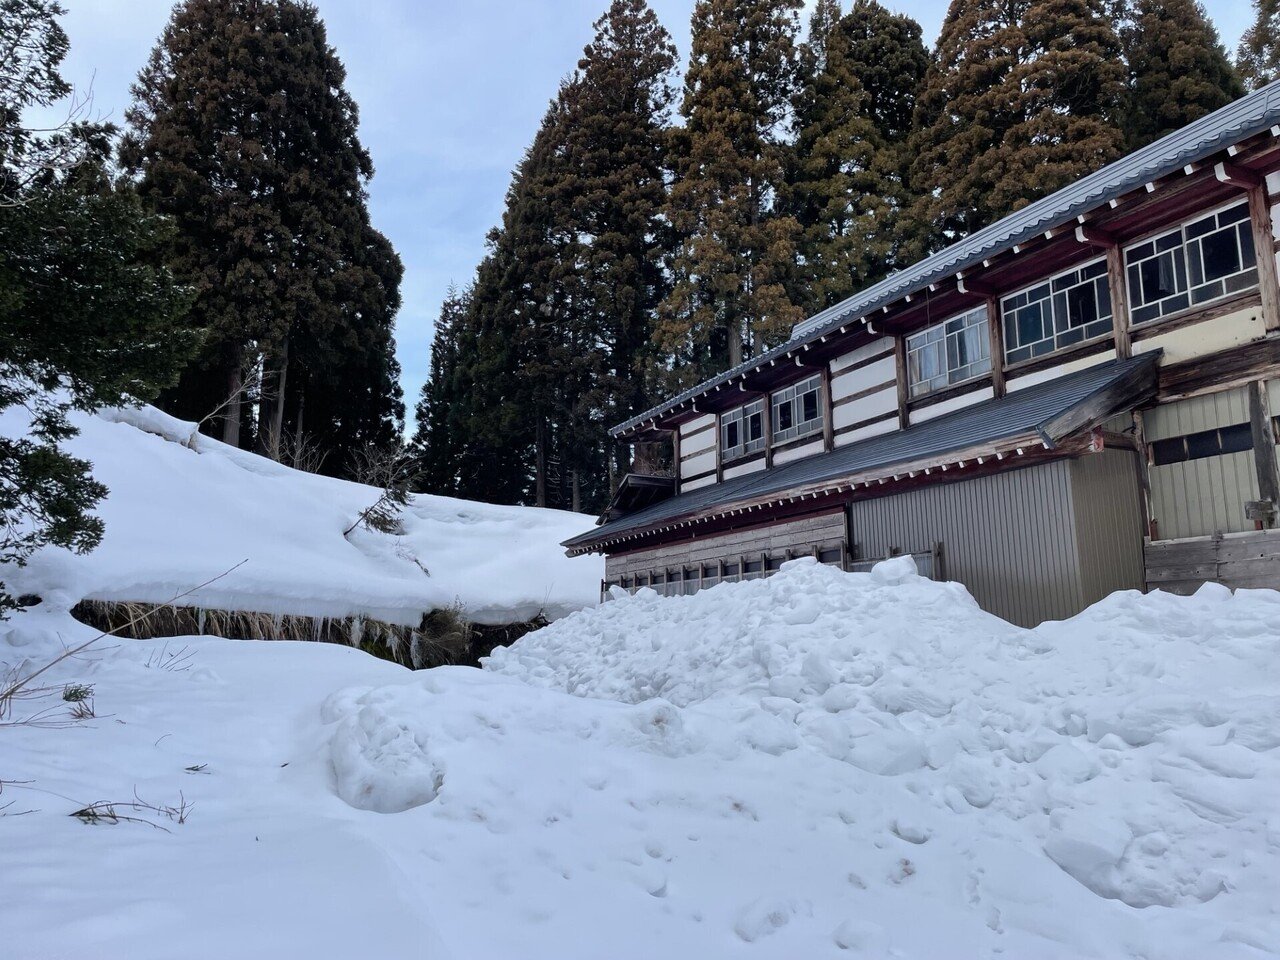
(1237, 176)
(1118, 284)
(1222, 370)
(900, 362)
(1134, 389)
(976, 287)
(828, 428)
(995, 331)
(1088, 233)
(1264, 443)
(1260, 221)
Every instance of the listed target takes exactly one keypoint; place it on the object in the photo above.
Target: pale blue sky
(450, 94)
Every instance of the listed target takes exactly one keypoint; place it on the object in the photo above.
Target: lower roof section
(1041, 415)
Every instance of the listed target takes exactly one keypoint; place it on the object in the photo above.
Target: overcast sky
(450, 94)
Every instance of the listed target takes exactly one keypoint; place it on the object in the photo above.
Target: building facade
(1079, 398)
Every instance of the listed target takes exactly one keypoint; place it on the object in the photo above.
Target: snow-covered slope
(183, 508)
(815, 765)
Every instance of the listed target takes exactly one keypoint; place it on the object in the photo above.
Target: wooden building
(1079, 398)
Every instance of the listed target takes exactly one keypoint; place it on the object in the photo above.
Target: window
(1195, 263)
(949, 352)
(1206, 443)
(1067, 309)
(797, 410)
(742, 431)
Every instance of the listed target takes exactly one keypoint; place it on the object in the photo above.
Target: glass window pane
(1219, 255)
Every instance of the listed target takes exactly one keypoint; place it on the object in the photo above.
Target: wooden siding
(799, 536)
(698, 439)
(1197, 498)
(1238, 560)
(1011, 538)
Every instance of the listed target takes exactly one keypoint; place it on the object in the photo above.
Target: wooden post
(719, 458)
(1116, 282)
(1144, 473)
(828, 428)
(675, 456)
(900, 361)
(1263, 247)
(1264, 443)
(995, 329)
(768, 429)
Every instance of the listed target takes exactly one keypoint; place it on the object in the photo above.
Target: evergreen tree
(609, 188)
(736, 251)
(1024, 97)
(86, 320)
(242, 132)
(1258, 56)
(1179, 70)
(435, 443)
(554, 340)
(849, 173)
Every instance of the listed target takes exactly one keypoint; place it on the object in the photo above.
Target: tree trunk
(231, 416)
(576, 498)
(271, 405)
(540, 471)
(735, 344)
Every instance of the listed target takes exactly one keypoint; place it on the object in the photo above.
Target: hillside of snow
(184, 508)
(815, 765)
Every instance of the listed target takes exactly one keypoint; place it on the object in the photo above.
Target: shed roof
(1033, 410)
(1252, 114)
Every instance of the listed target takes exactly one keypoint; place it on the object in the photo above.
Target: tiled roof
(1025, 411)
(1252, 114)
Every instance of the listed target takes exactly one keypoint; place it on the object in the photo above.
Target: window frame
(1099, 281)
(936, 335)
(794, 394)
(740, 416)
(1241, 227)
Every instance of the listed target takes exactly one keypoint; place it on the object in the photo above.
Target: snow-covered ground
(815, 765)
(184, 508)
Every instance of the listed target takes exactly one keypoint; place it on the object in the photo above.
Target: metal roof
(1252, 114)
(1017, 414)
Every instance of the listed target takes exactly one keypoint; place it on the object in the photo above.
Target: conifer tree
(558, 323)
(1024, 97)
(852, 118)
(1258, 56)
(736, 251)
(1179, 70)
(436, 444)
(86, 318)
(242, 132)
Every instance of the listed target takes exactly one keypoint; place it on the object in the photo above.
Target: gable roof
(1252, 114)
(1049, 410)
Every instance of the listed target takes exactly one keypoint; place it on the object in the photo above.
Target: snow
(815, 765)
(183, 508)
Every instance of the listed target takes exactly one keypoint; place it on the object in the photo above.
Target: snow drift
(815, 765)
(183, 508)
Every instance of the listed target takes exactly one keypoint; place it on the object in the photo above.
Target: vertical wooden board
(1117, 284)
(995, 332)
(1264, 249)
(900, 363)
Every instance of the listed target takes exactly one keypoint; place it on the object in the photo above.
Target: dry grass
(444, 637)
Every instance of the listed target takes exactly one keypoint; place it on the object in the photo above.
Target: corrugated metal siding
(1107, 511)
(1197, 498)
(1008, 538)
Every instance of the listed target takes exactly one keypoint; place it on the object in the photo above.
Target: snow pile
(815, 765)
(184, 508)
